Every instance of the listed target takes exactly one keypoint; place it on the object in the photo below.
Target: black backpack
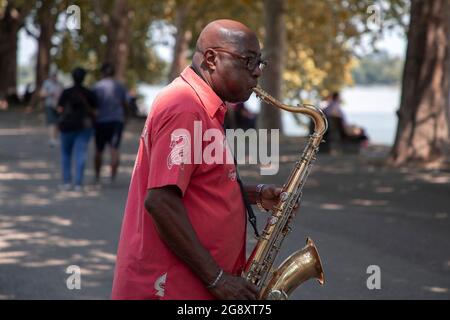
(76, 113)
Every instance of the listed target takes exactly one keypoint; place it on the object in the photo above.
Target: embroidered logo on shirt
(232, 174)
(160, 285)
(178, 144)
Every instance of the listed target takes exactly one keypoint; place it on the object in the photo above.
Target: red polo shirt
(186, 110)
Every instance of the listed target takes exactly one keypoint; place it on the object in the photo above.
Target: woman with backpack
(76, 108)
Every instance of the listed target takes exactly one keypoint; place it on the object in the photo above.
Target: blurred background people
(50, 93)
(341, 135)
(112, 100)
(77, 113)
(238, 116)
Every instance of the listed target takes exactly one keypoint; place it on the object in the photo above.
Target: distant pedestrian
(111, 97)
(76, 123)
(339, 130)
(28, 94)
(245, 119)
(50, 93)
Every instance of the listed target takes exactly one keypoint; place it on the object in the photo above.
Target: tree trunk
(274, 44)
(180, 54)
(46, 21)
(182, 39)
(117, 49)
(47, 25)
(423, 130)
(10, 24)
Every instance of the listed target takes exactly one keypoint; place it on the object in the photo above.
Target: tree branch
(30, 33)
(99, 13)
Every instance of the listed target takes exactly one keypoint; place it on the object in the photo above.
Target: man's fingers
(252, 287)
(278, 191)
(271, 191)
(249, 295)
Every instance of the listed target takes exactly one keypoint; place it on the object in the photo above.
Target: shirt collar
(213, 105)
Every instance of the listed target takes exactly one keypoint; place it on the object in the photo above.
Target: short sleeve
(92, 99)
(63, 98)
(124, 94)
(171, 150)
(121, 92)
(44, 88)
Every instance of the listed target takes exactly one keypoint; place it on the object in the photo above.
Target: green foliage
(87, 47)
(378, 68)
(201, 12)
(321, 37)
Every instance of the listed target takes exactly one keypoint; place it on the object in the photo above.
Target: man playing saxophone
(184, 229)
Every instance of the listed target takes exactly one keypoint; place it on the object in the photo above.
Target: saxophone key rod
(305, 263)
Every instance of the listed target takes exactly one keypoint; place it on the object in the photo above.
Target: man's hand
(270, 196)
(234, 288)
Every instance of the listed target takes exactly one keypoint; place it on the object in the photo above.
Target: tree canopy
(320, 35)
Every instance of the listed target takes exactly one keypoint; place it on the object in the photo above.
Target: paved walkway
(358, 212)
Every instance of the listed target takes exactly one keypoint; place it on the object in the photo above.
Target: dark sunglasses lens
(262, 65)
(252, 63)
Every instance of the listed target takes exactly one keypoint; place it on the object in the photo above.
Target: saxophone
(303, 264)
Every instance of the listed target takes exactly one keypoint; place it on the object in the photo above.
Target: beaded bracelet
(215, 282)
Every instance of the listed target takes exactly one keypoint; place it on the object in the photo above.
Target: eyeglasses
(251, 62)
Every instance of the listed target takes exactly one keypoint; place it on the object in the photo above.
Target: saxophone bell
(299, 267)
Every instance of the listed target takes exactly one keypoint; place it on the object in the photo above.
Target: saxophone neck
(315, 113)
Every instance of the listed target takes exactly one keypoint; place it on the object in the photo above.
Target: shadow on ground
(358, 211)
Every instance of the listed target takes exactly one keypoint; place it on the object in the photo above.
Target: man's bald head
(225, 50)
(226, 34)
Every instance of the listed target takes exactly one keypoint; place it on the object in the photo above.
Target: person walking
(50, 93)
(76, 108)
(111, 97)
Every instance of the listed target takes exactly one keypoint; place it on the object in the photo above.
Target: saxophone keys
(273, 220)
(284, 196)
(277, 295)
